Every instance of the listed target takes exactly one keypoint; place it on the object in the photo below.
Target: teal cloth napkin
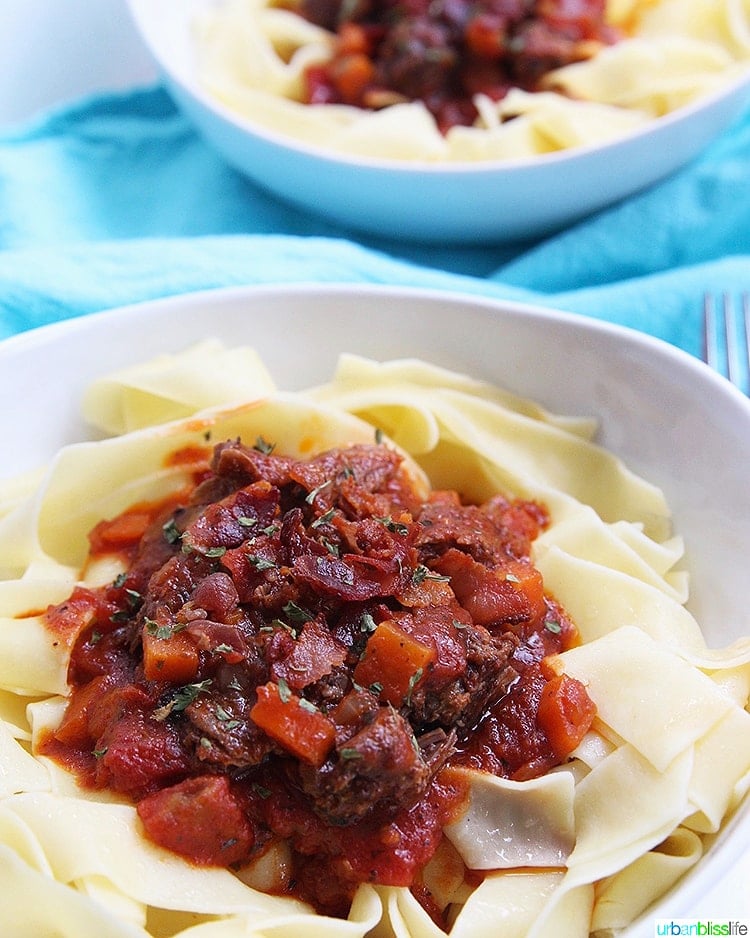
(116, 199)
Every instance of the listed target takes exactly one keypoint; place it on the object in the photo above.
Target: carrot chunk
(394, 662)
(173, 658)
(565, 713)
(127, 528)
(298, 727)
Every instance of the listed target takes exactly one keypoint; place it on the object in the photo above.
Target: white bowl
(461, 203)
(666, 414)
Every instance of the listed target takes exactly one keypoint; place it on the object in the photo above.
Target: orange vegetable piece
(304, 731)
(394, 661)
(565, 713)
(352, 74)
(174, 658)
(127, 528)
(74, 726)
(352, 37)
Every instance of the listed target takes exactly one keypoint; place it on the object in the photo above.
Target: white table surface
(54, 51)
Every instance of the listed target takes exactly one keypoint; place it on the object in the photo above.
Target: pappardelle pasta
(578, 845)
(632, 62)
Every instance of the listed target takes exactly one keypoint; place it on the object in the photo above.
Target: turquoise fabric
(115, 199)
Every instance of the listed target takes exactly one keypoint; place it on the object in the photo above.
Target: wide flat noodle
(689, 704)
(170, 387)
(19, 770)
(653, 76)
(485, 445)
(507, 824)
(625, 895)
(525, 124)
(663, 765)
(251, 58)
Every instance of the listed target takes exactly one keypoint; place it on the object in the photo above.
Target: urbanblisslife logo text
(701, 927)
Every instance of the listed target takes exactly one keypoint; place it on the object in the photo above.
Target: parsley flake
(263, 446)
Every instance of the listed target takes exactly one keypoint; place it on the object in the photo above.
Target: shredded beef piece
(221, 732)
(487, 676)
(381, 763)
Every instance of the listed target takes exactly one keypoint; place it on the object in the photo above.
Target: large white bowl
(461, 203)
(666, 414)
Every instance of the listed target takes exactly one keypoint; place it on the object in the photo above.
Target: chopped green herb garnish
(348, 754)
(296, 613)
(552, 625)
(395, 526)
(413, 681)
(285, 694)
(226, 718)
(323, 519)
(162, 631)
(422, 573)
(260, 563)
(181, 699)
(214, 552)
(263, 446)
(171, 534)
(311, 496)
(367, 623)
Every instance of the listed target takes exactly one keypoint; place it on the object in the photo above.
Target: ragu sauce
(444, 52)
(301, 653)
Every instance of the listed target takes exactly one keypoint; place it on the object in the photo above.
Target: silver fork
(726, 337)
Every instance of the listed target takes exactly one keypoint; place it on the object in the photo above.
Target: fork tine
(746, 327)
(733, 348)
(726, 337)
(710, 350)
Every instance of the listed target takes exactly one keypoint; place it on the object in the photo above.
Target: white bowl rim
(656, 126)
(532, 310)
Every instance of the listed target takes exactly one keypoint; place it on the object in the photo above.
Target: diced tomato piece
(511, 594)
(74, 726)
(485, 35)
(82, 609)
(304, 731)
(393, 661)
(565, 713)
(200, 819)
(137, 754)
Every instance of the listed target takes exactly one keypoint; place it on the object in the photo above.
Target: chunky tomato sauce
(302, 653)
(444, 52)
